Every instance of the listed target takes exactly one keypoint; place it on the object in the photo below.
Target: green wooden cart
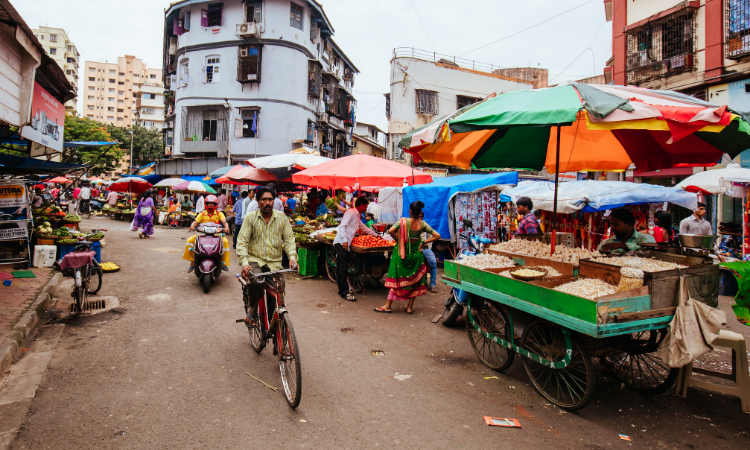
(561, 333)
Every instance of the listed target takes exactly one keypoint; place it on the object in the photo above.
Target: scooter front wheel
(206, 283)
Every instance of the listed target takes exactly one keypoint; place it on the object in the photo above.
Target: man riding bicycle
(84, 198)
(263, 234)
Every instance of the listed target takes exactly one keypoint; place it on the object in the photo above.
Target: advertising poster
(12, 202)
(14, 231)
(47, 120)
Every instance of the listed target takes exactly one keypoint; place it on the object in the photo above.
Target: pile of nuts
(644, 264)
(541, 250)
(590, 288)
(487, 261)
(550, 272)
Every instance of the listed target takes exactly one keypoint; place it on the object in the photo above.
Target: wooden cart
(561, 333)
(366, 264)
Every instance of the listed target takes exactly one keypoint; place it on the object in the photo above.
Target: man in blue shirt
(238, 216)
(291, 203)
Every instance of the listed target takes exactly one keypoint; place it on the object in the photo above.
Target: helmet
(211, 199)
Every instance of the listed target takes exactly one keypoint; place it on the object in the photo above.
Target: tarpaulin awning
(74, 144)
(18, 165)
(592, 196)
(437, 196)
(362, 170)
(202, 178)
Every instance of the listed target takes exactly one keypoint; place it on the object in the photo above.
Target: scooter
(208, 249)
(454, 305)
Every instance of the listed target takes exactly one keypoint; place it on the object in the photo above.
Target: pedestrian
(252, 205)
(429, 257)
(37, 200)
(663, 231)
(222, 204)
(144, 216)
(277, 205)
(200, 205)
(246, 201)
(369, 219)
(291, 203)
(112, 198)
(349, 225)
(238, 218)
(406, 274)
(529, 224)
(696, 223)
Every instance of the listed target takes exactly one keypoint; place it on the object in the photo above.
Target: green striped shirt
(262, 243)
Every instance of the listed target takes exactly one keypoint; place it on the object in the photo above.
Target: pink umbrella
(133, 185)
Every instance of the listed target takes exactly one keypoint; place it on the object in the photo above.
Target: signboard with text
(47, 120)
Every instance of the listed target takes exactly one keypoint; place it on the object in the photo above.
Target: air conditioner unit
(247, 30)
(323, 118)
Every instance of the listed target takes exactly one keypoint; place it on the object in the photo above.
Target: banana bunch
(108, 266)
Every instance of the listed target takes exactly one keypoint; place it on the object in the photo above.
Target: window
(135, 75)
(121, 83)
(90, 116)
(91, 106)
(111, 89)
(169, 138)
(295, 16)
(249, 64)
(147, 96)
(91, 97)
(71, 61)
(737, 28)
(120, 101)
(53, 38)
(186, 22)
(204, 123)
(119, 119)
(112, 80)
(92, 88)
(52, 51)
(120, 110)
(118, 92)
(210, 125)
(148, 123)
(661, 47)
(148, 111)
(153, 77)
(212, 69)
(427, 102)
(112, 71)
(462, 100)
(41, 37)
(111, 99)
(213, 17)
(248, 117)
(184, 73)
(91, 69)
(111, 108)
(68, 72)
(253, 11)
(121, 74)
(70, 48)
(92, 79)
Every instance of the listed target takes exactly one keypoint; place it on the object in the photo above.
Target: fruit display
(44, 228)
(109, 267)
(67, 241)
(371, 242)
(590, 288)
(541, 250)
(60, 232)
(330, 236)
(306, 229)
(72, 218)
(487, 261)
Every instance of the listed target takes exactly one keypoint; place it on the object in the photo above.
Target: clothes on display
(481, 209)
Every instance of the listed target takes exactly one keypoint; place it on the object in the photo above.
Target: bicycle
(84, 285)
(84, 208)
(274, 324)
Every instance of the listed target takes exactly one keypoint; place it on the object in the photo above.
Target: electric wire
(424, 27)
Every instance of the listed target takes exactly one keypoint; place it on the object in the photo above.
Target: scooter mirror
(468, 223)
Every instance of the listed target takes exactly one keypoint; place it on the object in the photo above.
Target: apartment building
(63, 51)
(369, 140)
(123, 93)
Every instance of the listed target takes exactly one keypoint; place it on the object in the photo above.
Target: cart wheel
(330, 263)
(356, 283)
(490, 318)
(638, 366)
(569, 388)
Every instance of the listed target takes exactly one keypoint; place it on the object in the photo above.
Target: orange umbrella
(459, 151)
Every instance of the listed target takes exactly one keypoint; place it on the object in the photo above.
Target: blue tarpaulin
(201, 178)
(437, 195)
(153, 179)
(75, 144)
(592, 196)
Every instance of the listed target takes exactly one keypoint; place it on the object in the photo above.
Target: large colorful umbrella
(133, 185)
(284, 165)
(600, 127)
(169, 182)
(193, 186)
(60, 180)
(221, 172)
(718, 181)
(242, 175)
(361, 170)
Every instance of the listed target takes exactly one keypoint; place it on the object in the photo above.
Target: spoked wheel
(257, 336)
(569, 388)
(491, 319)
(289, 361)
(330, 268)
(173, 220)
(86, 213)
(80, 297)
(94, 282)
(638, 366)
(356, 283)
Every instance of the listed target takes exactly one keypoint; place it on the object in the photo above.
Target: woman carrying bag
(144, 216)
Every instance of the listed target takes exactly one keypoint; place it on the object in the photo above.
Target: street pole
(130, 172)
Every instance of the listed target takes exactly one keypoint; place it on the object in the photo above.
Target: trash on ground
(624, 437)
(490, 378)
(502, 422)
(264, 383)
(378, 353)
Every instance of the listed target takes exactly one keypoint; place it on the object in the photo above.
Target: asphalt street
(168, 368)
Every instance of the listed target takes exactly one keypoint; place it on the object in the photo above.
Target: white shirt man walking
(696, 223)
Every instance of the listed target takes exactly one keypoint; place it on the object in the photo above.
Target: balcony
(149, 102)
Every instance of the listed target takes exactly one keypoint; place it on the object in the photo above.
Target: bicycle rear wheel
(289, 361)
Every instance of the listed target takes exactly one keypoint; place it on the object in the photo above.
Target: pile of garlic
(550, 272)
(590, 288)
(487, 261)
(527, 273)
(541, 250)
(644, 264)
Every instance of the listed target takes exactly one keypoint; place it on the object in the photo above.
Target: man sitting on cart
(626, 238)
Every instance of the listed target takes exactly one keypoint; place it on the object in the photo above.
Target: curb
(10, 348)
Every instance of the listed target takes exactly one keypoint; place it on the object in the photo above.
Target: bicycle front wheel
(289, 361)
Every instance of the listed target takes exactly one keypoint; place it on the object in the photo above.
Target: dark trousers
(254, 292)
(237, 229)
(342, 266)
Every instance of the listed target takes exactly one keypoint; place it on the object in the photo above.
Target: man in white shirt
(200, 204)
(252, 205)
(246, 201)
(696, 224)
(84, 198)
(350, 224)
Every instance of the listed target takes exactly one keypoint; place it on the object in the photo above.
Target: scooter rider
(209, 215)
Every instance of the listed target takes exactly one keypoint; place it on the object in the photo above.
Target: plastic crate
(308, 262)
(96, 247)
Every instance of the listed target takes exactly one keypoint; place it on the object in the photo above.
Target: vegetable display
(44, 228)
(371, 242)
(487, 261)
(109, 267)
(61, 232)
(67, 241)
(72, 218)
(303, 238)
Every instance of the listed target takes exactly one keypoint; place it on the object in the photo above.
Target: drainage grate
(89, 306)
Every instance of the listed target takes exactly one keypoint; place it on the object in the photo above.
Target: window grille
(200, 123)
(427, 102)
(314, 81)
(295, 16)
(462, 100)
(215, 15)
(388, 106)
(249, 64)
(737, 28)
(662, 47)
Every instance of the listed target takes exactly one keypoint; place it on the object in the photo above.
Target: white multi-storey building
(250, 77)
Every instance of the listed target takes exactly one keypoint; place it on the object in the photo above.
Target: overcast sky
(368, 31)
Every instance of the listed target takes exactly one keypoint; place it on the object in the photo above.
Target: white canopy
(718, 181)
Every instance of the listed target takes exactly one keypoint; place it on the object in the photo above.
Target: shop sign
(13, 231)
(47, 120)
(434, 173)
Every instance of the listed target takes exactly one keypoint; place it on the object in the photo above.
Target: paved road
(167, 369)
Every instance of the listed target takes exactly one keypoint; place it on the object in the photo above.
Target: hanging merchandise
(481, 209)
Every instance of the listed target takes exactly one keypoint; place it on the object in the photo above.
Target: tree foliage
(148, 142)
(105, 159)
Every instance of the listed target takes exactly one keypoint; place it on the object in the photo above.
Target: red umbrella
(60, 180)
(133, 185)
(247, 175)
(360, 169)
